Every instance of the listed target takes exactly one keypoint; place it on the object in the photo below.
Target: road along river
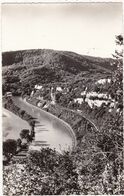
(49, 130)
(12, 125)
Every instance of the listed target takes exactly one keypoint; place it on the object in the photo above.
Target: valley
(73, 107)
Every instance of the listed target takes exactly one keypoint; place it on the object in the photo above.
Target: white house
(40, 98)
(38, 87)
(103, 81)
(39, 104)
(46, 105)
(92, 93)
(79, 100)
(102, 95)
(8, 94)
(83, 93)
(58, 88)
(96, 102)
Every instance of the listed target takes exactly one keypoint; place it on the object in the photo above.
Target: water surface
(49, 130)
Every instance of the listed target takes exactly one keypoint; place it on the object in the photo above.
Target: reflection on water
(48, 128)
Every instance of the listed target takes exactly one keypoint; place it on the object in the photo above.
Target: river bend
(49, 130)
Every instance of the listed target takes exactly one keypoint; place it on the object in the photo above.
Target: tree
(111, 138)
(61, 176)
(9, 148)
(117, 76)
(24, 133)
(22, 112)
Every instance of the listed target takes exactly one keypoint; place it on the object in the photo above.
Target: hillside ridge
(43, 66)
(8, 58)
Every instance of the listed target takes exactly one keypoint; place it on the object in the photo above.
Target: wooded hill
(49, 66)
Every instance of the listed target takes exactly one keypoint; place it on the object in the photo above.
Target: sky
(85, 28)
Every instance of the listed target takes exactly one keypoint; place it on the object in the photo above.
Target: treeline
(52, 57)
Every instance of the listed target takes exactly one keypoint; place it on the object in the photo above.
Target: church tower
(53, 96)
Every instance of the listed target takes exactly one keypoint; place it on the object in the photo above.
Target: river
(49, 130)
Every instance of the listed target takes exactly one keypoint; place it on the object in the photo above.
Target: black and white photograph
(62, 98)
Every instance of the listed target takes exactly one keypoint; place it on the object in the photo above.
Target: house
(38, 87)
(79, 100)
(58, 88)
(40, 98)
(8, 94)
(103, 81)
(39, 104)
(46, 105)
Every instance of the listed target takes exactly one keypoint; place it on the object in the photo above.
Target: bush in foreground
(9, 148)
(46, 172)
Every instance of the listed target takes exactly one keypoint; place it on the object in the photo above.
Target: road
(81, 114)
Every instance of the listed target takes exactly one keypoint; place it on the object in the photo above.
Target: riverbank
(10, 106)
(12, 125)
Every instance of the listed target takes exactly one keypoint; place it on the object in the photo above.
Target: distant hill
(66, 60)
(45, 66)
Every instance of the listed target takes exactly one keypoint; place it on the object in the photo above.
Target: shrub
(24, 133)
(9, 148)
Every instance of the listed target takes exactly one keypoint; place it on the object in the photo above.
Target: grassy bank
(9, 105)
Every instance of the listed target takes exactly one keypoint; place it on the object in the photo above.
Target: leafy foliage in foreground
(9, 148)
(45, 173)
(49, 173)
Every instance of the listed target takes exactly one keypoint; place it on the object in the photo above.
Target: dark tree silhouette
(9, 148)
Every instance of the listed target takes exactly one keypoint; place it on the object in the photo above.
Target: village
(92, 98)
